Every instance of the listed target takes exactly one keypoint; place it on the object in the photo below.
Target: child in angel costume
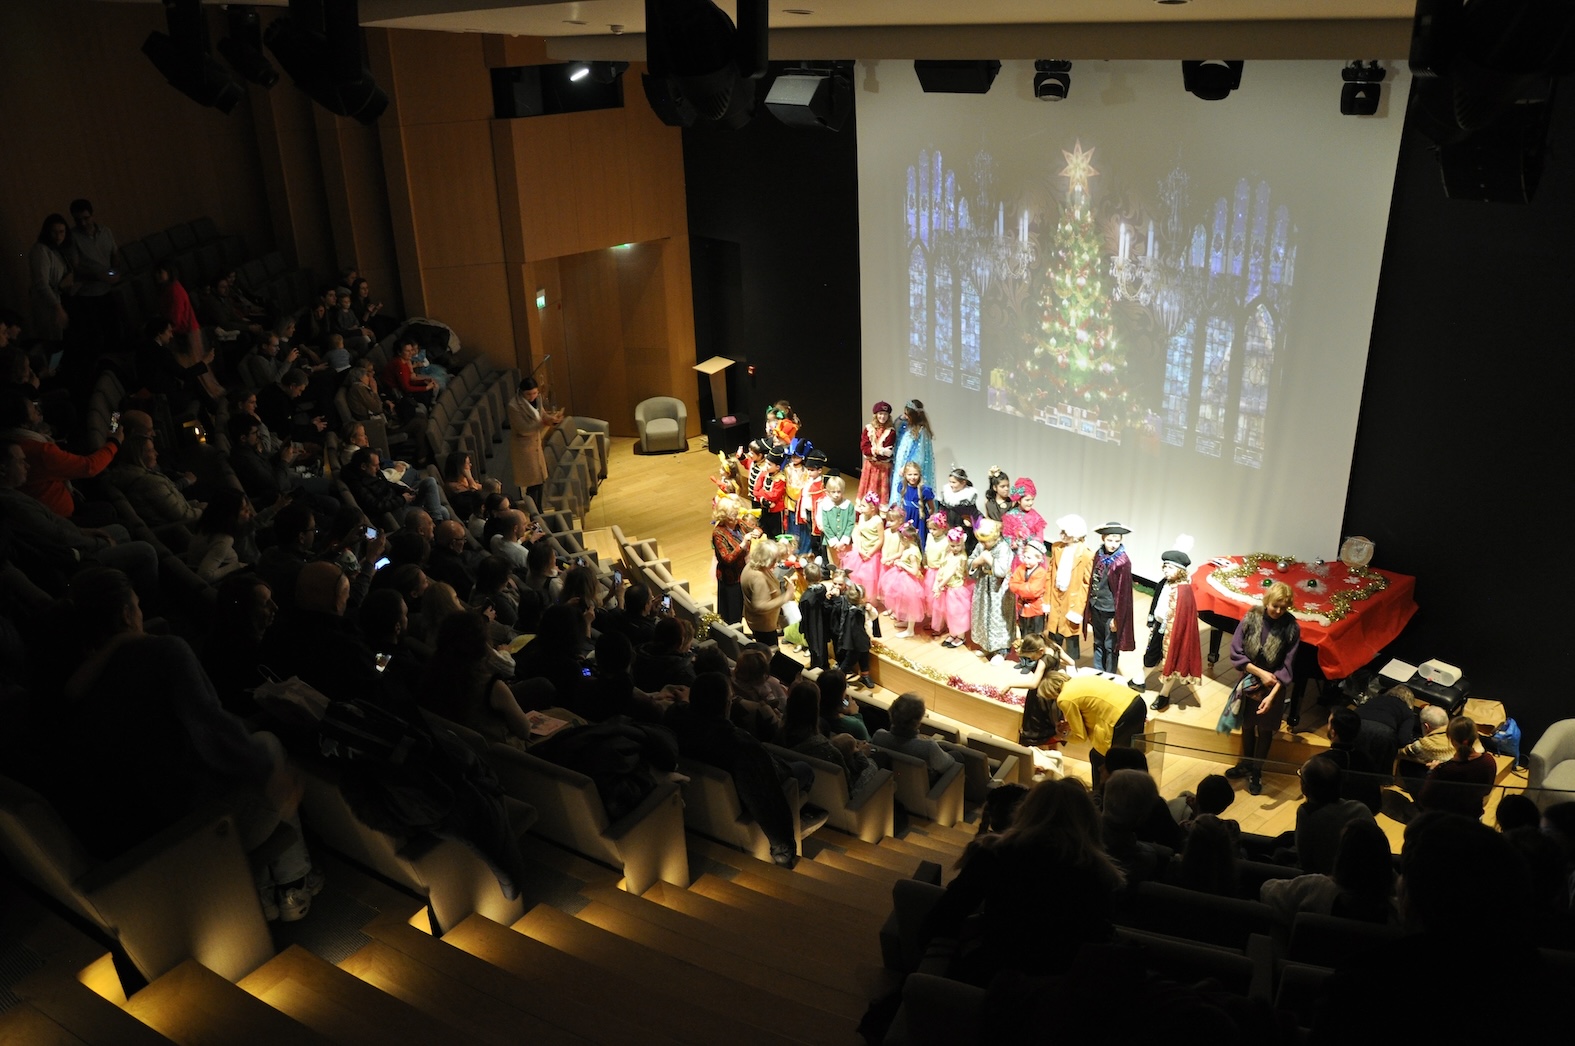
(877, 442)
(862, 560)
(951, 591)
(935, 545)
(1174, 643)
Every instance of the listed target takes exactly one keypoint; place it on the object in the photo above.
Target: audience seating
(712, 809)
(941, 802)
(187, 892)
(452, 880)
(1329, 941)
(661, 421)
(1176, 912)
(867, 813)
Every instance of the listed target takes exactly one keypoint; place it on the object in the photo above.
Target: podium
(722, 431)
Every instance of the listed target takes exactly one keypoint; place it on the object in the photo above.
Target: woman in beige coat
(529, 425)
(764, 595)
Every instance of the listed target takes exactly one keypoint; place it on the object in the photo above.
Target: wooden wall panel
(683, 380)
(474, 300)
(548, 210)
(87, 115)
(292, 167)
(593, 337)
(453, 193)
(444, 76)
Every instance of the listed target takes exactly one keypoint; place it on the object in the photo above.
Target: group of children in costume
(973, 569)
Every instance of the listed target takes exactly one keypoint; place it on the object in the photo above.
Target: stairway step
(884, 855)
(824, 920)
(854, 866)
(558, 859)
(743, 966)
(195, 1006)
(491, 994)
(551, 971)
(22, 1025)
(720, 931)
(728, 999)
(862, 891)
(766, 919)
(339, 1005)
(959, 835)
(924, 853)
(814, 895)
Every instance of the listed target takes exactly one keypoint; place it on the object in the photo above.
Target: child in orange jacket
(1027, 583)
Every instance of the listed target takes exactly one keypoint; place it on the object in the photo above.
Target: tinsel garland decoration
(956, 682)
(1365, 584)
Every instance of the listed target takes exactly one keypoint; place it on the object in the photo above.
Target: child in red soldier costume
(1028, 582)
(877, 442)
(810, 499)
(952, 591)
(902, 586)
(771, 493)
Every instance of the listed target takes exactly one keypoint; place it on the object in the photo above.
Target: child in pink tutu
(902, 586)
(862, 559)
(934, 548)
(890, 546)
(952, 591)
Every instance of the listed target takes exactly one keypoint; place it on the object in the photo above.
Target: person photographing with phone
(529, 424)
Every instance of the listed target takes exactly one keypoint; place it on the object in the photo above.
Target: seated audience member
(461, 684)
(143, 742)
(295, 539)
(907, 712)
(267, 364)
(1516, 810)
(635, 618)
(50, 468)
(1433, 746)
(269, 443)
(266, 481)
(492, 505)
(1211, 857)
(243, 611)
(60, 543)
(402, 378)
(406, 545)
(802, 733)
(1359, 778)
(411, 582)
(665, 659)
(509, 534)
(449, 560)
(376, 494)
(1157, 826)
(278, 407)
(1461, 783)
(419, 521)
(554, 654)
(706, 735)
(1214, 796)
(221, 541)
(496, 590)
(610, 689)
(316, 643)
(1051, 849)
(461, 485)
(1130, 799)
(366, 403)
(839, 713)
(1445, 862)
(1360, 885)
(753, 681)
(440, 602)
(1322, 816)
(352, 437)
(152, 495)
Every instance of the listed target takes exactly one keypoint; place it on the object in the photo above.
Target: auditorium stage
(667, 498)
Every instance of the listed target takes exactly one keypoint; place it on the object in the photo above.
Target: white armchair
(1551, 778)
(661, 421)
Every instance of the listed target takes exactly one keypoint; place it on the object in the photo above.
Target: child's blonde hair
(836, 483)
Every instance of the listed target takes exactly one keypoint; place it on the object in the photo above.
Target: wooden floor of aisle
(667, 497)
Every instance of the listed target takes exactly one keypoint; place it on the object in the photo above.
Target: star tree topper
(1079, 166)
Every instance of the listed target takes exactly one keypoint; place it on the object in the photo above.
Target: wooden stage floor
(667, 497)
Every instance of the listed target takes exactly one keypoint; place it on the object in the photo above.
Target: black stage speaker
(810, 99)
(949, 77)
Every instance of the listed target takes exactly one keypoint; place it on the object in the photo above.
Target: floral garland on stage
(1364, 584)
(956, 682)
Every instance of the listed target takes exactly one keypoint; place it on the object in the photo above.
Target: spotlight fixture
(182, 57)
(1211, 79)
(1052, 80)
(701, 66)
(956, 77)
(242, 48)
(319, 45)
(579, 72)
(598, 72)
(1363, 88)
(812, 98)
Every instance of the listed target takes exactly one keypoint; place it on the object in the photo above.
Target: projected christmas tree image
(1077, 368)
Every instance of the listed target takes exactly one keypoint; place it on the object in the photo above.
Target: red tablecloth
(1345, 645)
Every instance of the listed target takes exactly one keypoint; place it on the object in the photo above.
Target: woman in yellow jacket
(1092, 708)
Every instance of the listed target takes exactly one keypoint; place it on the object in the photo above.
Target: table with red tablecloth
(1349, 616)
